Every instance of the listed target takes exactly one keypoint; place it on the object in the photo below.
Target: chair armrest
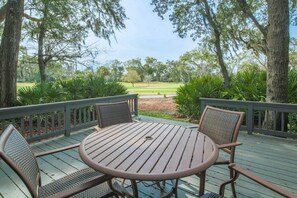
(56, 150)
(221, 146)
(261, 181)
(80, 188)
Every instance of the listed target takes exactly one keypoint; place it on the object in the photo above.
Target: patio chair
(239, 171)
(222, 126)
(113, 113)
(16, 152)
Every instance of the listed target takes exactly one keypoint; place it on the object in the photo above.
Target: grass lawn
(24, 84)
(153, 88)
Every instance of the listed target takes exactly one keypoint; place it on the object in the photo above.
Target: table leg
(119, 193)
(134, 188)
(202, 183)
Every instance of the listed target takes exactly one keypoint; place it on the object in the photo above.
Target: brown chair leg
(232, 184)
(202, 183)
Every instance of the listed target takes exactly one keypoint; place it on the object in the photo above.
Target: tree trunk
(277, 52)
(9, 51)
(212, 22)
(41, 62)
(221, 59)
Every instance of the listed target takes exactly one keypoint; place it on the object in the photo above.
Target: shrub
(70, 89)
(188, 96)
(249, 85)
(292, 86)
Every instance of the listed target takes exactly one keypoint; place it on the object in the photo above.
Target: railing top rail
(38, 108)
(57, 104)
(254, 103)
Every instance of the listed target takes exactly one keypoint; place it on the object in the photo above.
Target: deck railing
(278, 119)
(42, 121)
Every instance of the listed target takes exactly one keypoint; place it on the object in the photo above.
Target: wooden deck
(275, 159)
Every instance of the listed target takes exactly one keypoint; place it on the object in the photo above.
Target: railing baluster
(31, 125)
(85, 114)
(89, 113)
(38, 123)
(93, 113)
(46, 123)
(53, 121)
(74, 117)
(282, 122)
(79, 116)
(291, 122)
(59, 120)
(259, 120)
(22, 125)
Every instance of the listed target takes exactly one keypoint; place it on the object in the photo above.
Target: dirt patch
(164, 105)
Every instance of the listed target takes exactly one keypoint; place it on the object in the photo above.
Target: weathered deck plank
(274, 159)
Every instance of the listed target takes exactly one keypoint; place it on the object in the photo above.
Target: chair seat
(211, 195)
(75, 179)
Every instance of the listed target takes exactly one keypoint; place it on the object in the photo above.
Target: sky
(146, 34)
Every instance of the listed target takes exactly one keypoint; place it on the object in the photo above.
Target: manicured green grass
(167, 116)
(153, 88)
(24, 84)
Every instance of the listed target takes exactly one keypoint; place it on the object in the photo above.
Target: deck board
(274, 159)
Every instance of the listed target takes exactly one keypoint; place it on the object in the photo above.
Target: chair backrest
(221, 125)
(16, 152)
(113, 113)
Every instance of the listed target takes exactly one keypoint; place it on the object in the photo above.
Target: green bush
(292, 86)
(188, 96)
(71, 89)
(249, 85)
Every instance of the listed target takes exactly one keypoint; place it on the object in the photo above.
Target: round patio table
(148, 152)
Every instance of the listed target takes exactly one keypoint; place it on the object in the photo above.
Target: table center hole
(148, 137)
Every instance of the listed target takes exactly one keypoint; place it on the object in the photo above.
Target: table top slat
(189, 151)
(178, 152)
(199, 150)
(162, 163)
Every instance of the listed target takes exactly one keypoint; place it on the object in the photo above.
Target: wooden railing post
(250, 119)
(67, 120)
(136, 105)
(202, 106)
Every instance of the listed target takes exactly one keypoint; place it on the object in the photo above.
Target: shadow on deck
(274, 159)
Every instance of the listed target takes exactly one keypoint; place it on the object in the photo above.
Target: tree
(63, 40)
(9, 50)
(116, 70)
(199, 19)
(103, 71)
(132, 76)
(136, 65)
(201, 62)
